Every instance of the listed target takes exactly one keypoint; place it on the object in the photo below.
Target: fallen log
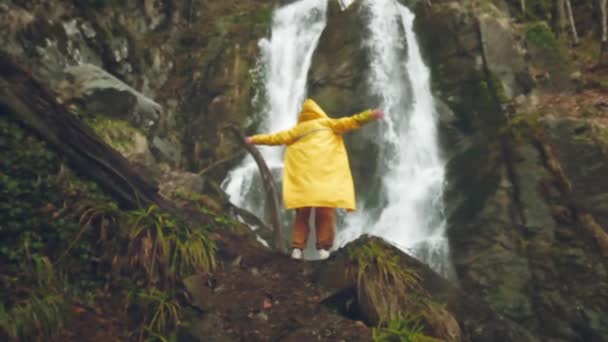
(30, 103)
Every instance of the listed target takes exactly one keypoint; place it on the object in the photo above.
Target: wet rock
(186, 185)
(584, 160)
(167, 150)
(103, 94)
(338, 69)
(503, 53)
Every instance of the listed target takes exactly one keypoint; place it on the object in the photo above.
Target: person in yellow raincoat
(316, 172)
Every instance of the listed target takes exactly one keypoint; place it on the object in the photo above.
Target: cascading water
(285, 60)
(412, 172)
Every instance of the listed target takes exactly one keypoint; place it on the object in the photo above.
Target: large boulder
(374, 281)
(103, 94)
(99, 94)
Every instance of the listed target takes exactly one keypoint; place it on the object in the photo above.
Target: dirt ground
(255, 295)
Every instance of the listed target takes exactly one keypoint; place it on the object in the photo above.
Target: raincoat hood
(311, 111)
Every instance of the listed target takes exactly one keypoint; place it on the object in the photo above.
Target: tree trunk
(572, 24)
(604, 40)
(561, 21)
(522, 4)
(31, 104)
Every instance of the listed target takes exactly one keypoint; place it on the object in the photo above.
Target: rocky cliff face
(175, 71)
(525, 234)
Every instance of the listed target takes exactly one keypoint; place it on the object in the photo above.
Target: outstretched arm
(285, 137)
(350, 123)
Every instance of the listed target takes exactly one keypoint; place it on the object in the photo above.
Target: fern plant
(165, 249)
(164, 314)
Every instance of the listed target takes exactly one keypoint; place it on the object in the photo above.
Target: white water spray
(285, 60)
(412, 172)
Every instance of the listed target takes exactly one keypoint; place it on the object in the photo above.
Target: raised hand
(377, 114)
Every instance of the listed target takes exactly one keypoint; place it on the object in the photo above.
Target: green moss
(117, 133)
(602, 136)
(499, 89)
(524, 125)
(486, 99)
(596, 135)
(262, 15)
(540, 34)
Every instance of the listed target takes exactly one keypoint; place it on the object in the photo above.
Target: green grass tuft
(42, 310)
(384, 281)
(402, 329)
(39, 315)
(164, 313)
(165, 249)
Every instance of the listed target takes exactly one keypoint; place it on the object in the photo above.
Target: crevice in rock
(584, 218)
(345, 303)
(517, 213)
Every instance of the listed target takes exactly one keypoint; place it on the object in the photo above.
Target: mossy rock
(375, 282)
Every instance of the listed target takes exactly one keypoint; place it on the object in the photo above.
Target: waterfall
(412, 172)
(410, 216)
(284, 62)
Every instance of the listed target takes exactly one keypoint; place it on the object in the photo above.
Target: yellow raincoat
(316, 172)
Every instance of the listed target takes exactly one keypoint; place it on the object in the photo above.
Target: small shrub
(403, 329)
(540, 34)
(163, 313)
